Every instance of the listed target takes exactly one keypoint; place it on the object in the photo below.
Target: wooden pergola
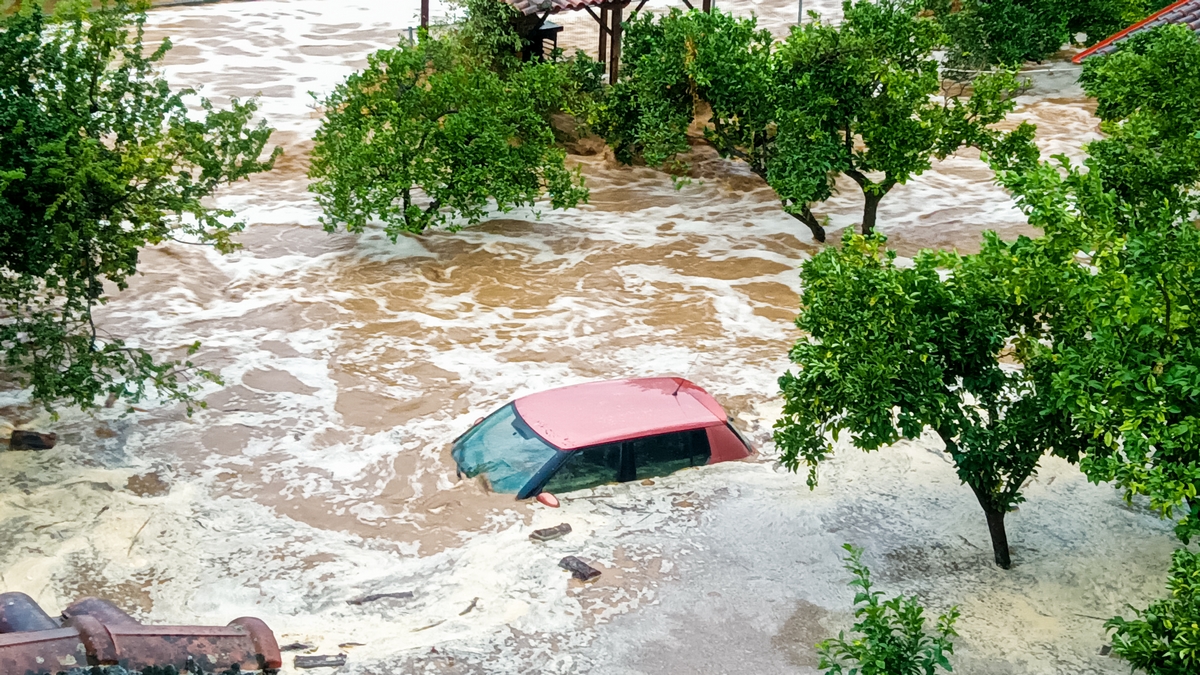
(608, 14)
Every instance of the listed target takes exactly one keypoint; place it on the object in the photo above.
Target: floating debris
(295, 647)
(399, 595)
(549, 533)
(579, 569)
(469, 607)
(31, 440)
(324, 661)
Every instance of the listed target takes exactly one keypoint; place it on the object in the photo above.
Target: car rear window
(629, 460)
(668, 453)
(504, 450)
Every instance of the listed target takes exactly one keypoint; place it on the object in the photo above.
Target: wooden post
(425, 13)
(603, 34)
(615, 65)
(707, 6)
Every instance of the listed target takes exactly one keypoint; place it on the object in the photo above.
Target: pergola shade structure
(608, 14)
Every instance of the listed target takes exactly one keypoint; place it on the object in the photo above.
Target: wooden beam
(640, 5)
(604, 29)
(615, 56)
(425, 13)
(689, 5)
(707, 6)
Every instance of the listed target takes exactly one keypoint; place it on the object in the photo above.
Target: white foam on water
(320, 472)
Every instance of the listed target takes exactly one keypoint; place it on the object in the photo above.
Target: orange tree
(1096, 318)
(891, 350)
(858, 99)
(1114, 279)
(98, 159)
(431, 132)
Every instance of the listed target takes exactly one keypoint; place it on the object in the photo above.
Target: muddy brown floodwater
(320, 470)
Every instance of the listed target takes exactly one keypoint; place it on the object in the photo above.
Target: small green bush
(891, 633)
(1164, 639)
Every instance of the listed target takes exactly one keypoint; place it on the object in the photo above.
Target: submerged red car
(600, 432)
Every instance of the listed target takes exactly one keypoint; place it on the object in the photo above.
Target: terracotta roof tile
(555, 6)
(1186, 12)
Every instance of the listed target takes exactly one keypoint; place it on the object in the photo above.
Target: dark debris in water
(400, 595)
(321, 661)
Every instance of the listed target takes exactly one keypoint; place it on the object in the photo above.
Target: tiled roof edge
(1135, 27)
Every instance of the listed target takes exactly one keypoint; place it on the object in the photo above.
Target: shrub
(1164, 639)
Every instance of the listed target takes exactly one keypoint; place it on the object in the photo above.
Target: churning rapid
(320, 471)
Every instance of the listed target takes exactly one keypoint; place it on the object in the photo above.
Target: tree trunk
(870, 206)
(806, 216)
(995, 521)
(995, 518)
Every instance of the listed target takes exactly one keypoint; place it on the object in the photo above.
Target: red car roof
(616, 410)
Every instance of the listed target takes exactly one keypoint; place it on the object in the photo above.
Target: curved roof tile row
(1186, 12)
(528, 7)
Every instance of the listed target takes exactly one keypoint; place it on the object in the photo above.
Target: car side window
(587, 468)
(668, 453)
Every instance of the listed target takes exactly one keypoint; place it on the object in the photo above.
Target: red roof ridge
(1121, 34)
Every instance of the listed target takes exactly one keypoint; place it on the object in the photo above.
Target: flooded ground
(320, 471)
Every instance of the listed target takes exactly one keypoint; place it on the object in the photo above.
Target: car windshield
(504, 449)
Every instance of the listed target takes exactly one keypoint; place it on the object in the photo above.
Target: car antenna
(685, 374)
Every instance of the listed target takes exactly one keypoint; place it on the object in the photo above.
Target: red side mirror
(548, 499)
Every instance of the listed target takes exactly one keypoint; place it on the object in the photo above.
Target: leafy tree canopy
(491, 33)
(1116, 286)
(892, 638)
(1146, 94)
(427, 133)
(1098, 19)
(1164, 638)
(1115, 277)
(1096, 317)
(892, 350)
(857, 99)
(98, 159)
(985, 33)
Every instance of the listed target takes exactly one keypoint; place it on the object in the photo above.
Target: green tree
(983, 33)
(1114, 279)
(98, 159)
(893, 639)
(891, 350)
(857, 99)
(1164, 639)
(423, 135)
(1115, 288)
(1098, 19)
(1146, 93)
(491, 33)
